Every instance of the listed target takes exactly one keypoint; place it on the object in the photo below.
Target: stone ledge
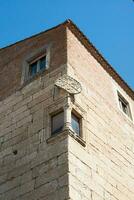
(63, 134)
(59, 136)
(77, 138)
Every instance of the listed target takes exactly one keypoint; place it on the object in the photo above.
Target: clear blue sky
(109, 24)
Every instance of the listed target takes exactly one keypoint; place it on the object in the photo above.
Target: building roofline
(91, 48)
(97, 55)
(33, 36)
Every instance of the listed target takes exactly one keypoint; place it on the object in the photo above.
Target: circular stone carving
(69, 84)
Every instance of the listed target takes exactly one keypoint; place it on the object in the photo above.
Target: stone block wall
(36, 166)
(104, 169)
(31, 166)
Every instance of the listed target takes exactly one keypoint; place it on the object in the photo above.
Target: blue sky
(109, 24)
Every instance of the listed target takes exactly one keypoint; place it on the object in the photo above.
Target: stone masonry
(34, 165)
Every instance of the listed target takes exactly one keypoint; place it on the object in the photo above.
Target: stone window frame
(122, 99)
(53, 114)
(31, 57)
(53, 110)
(37, 60)
(81, 114)
(80, 120)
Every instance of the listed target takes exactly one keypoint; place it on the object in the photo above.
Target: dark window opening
(124, 105)
(37, 66)
(75, 123)
(57, 123)
(33, 69)
(42, 63)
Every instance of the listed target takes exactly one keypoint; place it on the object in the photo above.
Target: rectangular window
(124, 105)
(37, 66)
(57, 122)
(75, 123)
(33, 69)
(42, 63)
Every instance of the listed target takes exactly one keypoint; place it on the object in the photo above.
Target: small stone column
(67, 112)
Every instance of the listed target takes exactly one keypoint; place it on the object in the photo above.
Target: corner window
(75, 123)
(37, 66)
(124, 105)
(57, 122)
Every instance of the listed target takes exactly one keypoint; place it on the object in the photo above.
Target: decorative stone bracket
(70, 87)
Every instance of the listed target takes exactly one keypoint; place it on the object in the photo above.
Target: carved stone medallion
(69, 84)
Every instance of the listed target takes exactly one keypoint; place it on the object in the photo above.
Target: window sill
(35, 77)
(63, 134)
(77, 138)
(58, 136)
(126, 117)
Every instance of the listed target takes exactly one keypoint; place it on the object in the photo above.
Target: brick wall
(13, 57)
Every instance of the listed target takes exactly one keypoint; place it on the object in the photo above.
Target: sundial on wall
(68, 84)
